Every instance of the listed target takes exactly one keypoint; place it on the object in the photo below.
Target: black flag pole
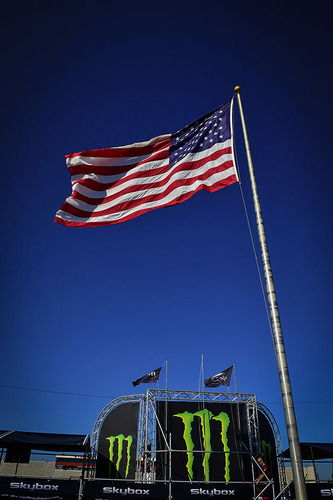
(274, 315)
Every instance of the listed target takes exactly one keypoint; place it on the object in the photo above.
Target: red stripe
(151, 185)
(122, 152)
(186, 196)
(112, 170)
(68, 464)
(97, 186)
(123, 206)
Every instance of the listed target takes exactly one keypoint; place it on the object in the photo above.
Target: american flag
(113, 185)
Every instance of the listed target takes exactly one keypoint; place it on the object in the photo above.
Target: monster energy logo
(120, 440)
(205, 417)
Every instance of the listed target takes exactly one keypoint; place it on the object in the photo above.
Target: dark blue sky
(86, 311)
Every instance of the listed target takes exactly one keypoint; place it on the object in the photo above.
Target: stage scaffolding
(148, 425)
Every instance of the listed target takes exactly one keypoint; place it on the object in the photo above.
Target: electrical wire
(35, 389)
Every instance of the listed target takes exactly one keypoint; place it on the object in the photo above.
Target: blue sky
(86, 311)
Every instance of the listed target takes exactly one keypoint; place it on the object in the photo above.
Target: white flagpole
(287, 398)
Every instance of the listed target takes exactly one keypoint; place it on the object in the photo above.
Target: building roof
(313, 451)
(45, 441)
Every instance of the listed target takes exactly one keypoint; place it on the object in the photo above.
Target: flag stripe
(138, 197)
(92, 189)
(113, 165)
(148, 168)
(132, 150)
(177, 196)
(130, 192)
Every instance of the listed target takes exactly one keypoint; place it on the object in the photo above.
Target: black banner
(316, 491)
(98, 490)
(23, 488)
(235, 491)
(42, 489)
(117, 443)
(104, 490)
(216, 439)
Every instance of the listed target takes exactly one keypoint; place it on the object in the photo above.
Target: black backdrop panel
(110, 490)
(316, 491)
(17, 455)
(267, 445)
(216, 436)
(117, 443)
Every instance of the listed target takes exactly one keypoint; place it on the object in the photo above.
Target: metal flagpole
(287, 398)
(235, 378)
(202, 376)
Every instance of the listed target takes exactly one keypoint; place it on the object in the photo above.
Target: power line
(55, 392)
(22, 388)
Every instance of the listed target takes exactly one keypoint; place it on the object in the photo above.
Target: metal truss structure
(149, 423)
(148, 438)
(139, 398)
(278, 443)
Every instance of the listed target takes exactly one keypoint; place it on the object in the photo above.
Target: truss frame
(148, 422)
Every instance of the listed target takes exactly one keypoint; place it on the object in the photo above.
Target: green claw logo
(120, 440)
(205, 417)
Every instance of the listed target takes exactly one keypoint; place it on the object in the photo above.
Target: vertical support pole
(281, 358)
(202, 376)
(235, 378)
(314, 466)
(146, 439)
(170, 479)
(80, 495)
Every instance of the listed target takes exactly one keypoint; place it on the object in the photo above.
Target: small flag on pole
(114, 185)
(222, 378)
(149, 378)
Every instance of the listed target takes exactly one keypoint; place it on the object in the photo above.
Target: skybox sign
(27, 487)
(111, 490)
